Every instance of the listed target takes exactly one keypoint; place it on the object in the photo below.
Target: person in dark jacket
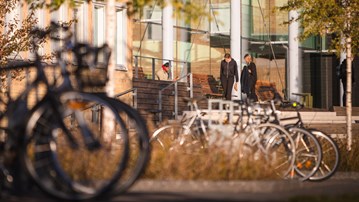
(228, 75)
(343, 77)
(249, 78)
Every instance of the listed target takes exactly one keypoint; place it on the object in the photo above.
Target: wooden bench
(211, 87)
(265, 90)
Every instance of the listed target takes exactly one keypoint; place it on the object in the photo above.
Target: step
(307, 117)
(341, 111)
(319, 117)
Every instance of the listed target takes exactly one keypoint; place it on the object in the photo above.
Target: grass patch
(208, 165)
(216, 163)
(213, 163)
(349, 161)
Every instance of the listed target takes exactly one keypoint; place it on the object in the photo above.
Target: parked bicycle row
(73, 144)
(258, 131)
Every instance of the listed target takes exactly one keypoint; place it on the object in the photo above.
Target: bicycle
(269, 140)
(189, 132)
(308, 147)
(138, 139)
(45, 130)
(329, 149)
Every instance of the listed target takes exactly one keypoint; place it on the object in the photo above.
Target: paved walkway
(229, 191)
(254, 186)
(253, 190)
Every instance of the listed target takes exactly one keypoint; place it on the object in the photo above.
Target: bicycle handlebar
(292, 104)
(52, 30)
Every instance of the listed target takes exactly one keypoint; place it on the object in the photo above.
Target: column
(167, 34)
(295, 76)
(235, 31)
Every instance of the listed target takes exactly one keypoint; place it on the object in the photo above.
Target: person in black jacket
(343, 77)
(249, 78)
(229, 72)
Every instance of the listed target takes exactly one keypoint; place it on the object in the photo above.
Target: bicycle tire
(166, 136)
(139, 153)
(62, 175)
(308, 153)
(330, 149)
(280, 150)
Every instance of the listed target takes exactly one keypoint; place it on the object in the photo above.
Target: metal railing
(175, 83)
(134, 90)
(154, 66)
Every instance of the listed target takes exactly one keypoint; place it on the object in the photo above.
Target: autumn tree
(190, 10)
(340, 19)
(15, 35)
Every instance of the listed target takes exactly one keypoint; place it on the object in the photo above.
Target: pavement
(251, 190)
(342, 184)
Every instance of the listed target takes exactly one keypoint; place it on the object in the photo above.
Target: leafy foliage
(188, 9)
(338, 18)
(15, 36)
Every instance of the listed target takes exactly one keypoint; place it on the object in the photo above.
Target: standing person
(163, 73)
(249, 78)
(343, 77)
(228, 72)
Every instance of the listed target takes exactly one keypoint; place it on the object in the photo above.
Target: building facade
(156, 35)
(89, 26)
(198, 47)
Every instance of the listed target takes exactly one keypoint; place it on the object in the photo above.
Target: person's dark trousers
(227, 85)
(344, 82)
(252, 95)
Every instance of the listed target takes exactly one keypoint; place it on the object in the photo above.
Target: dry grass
(349, 161)
(213, 163)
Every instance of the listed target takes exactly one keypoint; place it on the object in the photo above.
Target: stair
(204, 86)
(325, 117)
(341, 111)
(148, 98)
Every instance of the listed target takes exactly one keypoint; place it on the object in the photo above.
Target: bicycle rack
(226, 110)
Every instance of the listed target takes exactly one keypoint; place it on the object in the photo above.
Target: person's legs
(228, 94)
(344, 82)
(252, 94)
(224, 83)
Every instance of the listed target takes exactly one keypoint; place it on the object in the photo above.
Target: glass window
(153, 16)
(99, 25)
(221, 13)
(80, 13)
(121, 39)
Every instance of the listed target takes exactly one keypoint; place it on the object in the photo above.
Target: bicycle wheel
(77, 148)
(139, 145)
(279, 148)
(309, 153)
(174, 137)
(331, 156)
